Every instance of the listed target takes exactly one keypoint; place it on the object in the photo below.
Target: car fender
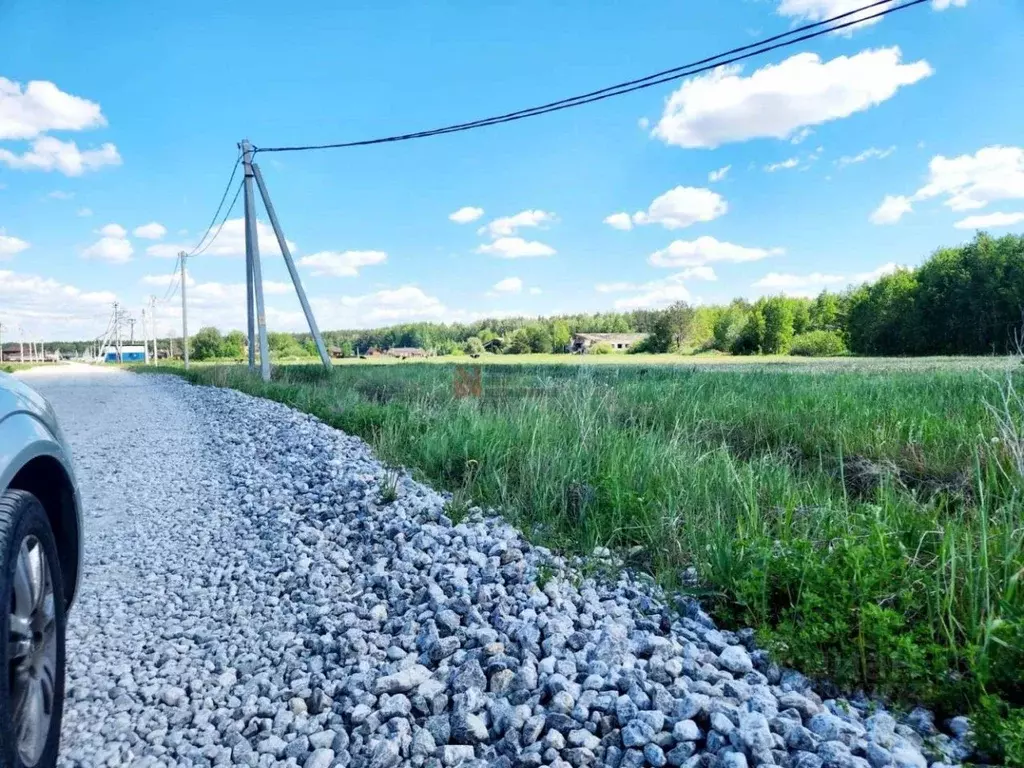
(25, 437)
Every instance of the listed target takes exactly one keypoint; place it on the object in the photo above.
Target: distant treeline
(966, 300)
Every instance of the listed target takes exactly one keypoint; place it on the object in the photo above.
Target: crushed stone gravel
(249, 599)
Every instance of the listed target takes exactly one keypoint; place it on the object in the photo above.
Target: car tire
(33, 620)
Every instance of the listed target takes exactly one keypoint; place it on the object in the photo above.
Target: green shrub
(601, 348)
(999, 731)
(817, 344)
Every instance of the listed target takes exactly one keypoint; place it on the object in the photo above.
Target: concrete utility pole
(2, 329)
(184, 307)
(152, 320)
(252, 252)
(145, 336)
(286, 253)
(131, 324)
(21, 344)
(117, 332)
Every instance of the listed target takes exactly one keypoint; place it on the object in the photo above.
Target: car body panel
(29, 430)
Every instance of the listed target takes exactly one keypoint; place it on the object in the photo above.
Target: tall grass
(869, 522)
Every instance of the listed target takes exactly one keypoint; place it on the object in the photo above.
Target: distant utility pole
(254, 273)
(21, 344)
(117, 331)
(131, 324)
(152, 321)
(184, 307)
(145, 336)
(2, 329)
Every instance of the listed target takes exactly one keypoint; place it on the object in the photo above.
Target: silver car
(40, 561)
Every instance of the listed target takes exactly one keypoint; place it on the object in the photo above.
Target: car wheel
(33, 619)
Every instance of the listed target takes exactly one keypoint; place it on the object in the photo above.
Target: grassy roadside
(867, 518)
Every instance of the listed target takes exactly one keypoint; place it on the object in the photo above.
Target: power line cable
(745, 52)
(223, 221)
(223, 197)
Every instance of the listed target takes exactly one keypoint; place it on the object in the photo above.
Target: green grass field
(866, 516)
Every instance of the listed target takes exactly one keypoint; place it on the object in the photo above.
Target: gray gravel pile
(256, 602)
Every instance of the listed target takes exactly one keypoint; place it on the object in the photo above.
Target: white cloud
(405, 303)
(973, 181)
(113, 230)
(47, 308)
(508, 285)
(704, 250)
(59, 194)
(791, 162)
(10, 245)
(516, 248)
(695, 273)
(779, 99)
(41, 106)
(113, 250)
(619, 221)
(789, 282)
(343, 263)
(967, 182)
(819, 10)
(151, 231)
(507, 225)
(167, 250)
(466, 214)
(85, 211)
(165, 281)
(986, 221)
(891, 210)
(680, 207)
(50, 154)
(867, 154)
(661, 296)
(230, 242)
(656, 293)
(800, 136)
(814, 283)
(719, 174)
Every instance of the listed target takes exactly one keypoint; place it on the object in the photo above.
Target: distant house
(406, 352)
(494, 345)
(12, 353)
(620, 342)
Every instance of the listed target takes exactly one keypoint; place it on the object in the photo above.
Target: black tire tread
(14, 505)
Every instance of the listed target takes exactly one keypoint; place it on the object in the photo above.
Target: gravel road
(250, 599)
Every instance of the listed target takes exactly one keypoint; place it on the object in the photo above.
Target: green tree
(538, 336)
(778, 325)
(750, 339)
(728, 323)
(801, 315)
(560, 335)
(284, 345)
(518, 343)
(474, 346)
(233, 345)
(206, 344)
(824, 313)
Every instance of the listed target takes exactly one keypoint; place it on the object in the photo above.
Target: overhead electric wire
(223, 197)
(172, 282)
(223, 221)
(747, 51)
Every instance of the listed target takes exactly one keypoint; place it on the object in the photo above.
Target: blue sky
(846, 154)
